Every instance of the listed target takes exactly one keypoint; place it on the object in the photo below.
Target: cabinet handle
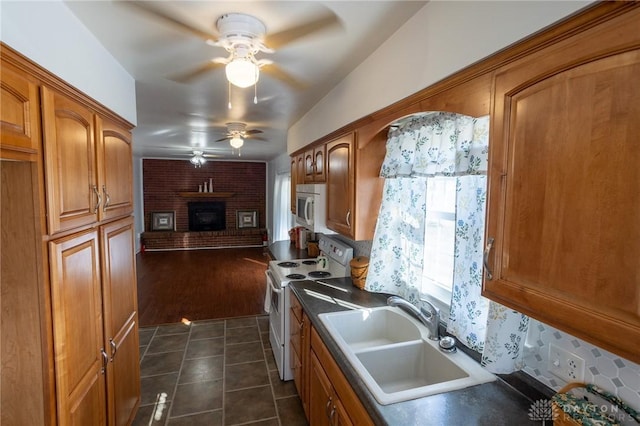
(105, 360)
(326, 409)
(114, 349)
(98, 199)
(487, 251)
(349, 218)
(331, 419)
(107, 199)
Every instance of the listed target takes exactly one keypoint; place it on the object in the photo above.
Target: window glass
(439, 239)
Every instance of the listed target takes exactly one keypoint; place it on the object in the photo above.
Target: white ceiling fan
(236, 134)
(243, 36)
(200, 157)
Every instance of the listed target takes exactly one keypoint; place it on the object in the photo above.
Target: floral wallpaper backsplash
(610, 372)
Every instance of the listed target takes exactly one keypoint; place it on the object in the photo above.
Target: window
(439, 239)
(282, 219)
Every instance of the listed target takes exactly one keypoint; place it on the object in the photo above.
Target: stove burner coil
(310, 262)
(319, 274)
(288, 264)
(295, 276)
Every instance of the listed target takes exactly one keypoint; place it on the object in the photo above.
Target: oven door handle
(271, 282)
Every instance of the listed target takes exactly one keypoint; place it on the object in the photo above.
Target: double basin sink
(391, 352)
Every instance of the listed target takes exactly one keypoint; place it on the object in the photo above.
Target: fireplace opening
(207, 216)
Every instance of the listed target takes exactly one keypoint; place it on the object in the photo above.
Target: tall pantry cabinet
(69, 301)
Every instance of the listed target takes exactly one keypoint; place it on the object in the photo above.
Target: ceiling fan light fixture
(242, 72)
(197, 160)
(236, 142)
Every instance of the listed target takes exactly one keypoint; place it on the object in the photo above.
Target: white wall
(442, 38)
(48, 33)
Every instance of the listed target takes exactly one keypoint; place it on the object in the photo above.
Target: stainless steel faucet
(430, 318)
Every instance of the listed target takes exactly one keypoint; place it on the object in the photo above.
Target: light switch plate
(565, 365)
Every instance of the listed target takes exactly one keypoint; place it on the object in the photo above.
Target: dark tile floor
(217, 372)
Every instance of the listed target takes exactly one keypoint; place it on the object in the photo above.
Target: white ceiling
(175, 118)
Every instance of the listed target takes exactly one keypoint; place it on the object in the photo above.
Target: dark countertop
(284, 250)
(490, 404)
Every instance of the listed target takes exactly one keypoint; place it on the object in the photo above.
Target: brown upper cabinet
(564, 190)
(115, 168)
(340, 185)
(88, 164)
(297, 177)
(73, 194)
(314, 165)
(19, 115)
(354, 188)
(294, 182)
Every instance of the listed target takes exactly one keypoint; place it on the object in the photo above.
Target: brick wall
(163, 180)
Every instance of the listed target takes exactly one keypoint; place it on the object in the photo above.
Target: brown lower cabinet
(332, 401)
(327, 397)
(326, 408)
(300, 348)
(95, 330)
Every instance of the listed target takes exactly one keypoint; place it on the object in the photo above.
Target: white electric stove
(281, 273)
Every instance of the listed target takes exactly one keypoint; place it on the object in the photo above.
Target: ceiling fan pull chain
(229, 93)
(255, 93)
(255, 89)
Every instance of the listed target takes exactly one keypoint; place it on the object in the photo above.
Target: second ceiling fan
(237, 132)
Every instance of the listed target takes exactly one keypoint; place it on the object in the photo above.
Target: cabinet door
(115, 169)
(120, 319)
(321, 395)
(77, 328)
(314, 169)
(19, 115)
(318, 164)
(564, 196)
(294, 182)
(340, 415)
(340, 185)
(73, 197)
(300, 168)
(296, 367)
(309, 169)
(305, 361)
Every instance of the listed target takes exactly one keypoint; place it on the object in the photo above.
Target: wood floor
(200, 284)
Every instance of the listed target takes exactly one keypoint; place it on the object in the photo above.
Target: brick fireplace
(170, 185)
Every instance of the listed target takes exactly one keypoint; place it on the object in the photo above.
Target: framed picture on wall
(247, 218)
(163, 221)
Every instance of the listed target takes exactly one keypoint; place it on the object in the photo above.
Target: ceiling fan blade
(223, 139)
(282, 38)
(256, 138)
(146, 7)
(197, 72)
(277, 72)
(253, 131)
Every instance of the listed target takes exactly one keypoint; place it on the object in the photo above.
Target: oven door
(278, 330)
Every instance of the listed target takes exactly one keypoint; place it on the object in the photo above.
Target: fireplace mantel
(206, 194)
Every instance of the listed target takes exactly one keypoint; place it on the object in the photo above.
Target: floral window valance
(438, 144)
